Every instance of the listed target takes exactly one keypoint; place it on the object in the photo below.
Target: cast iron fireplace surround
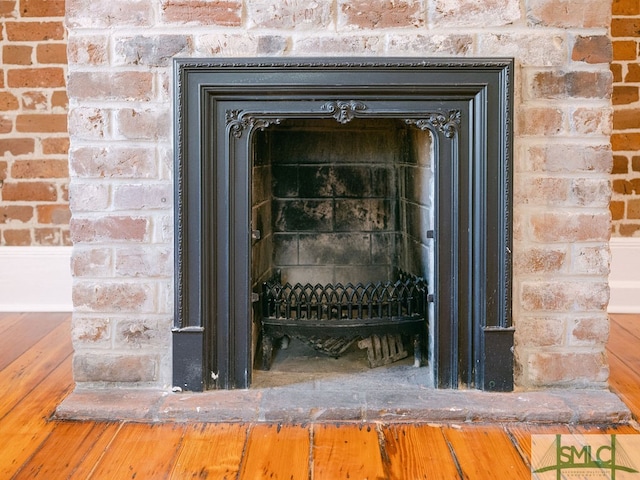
(466, 105)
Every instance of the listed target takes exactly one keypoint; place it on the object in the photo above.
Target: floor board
(475, 462)
(346, 451)
(418, 452)
(211, 451)
(141, 451)
(35, 372)
(276, 451)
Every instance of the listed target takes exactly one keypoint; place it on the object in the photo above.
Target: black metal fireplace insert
(221, 105)
(330, 318)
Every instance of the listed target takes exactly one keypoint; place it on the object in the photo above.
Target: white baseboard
(35, 279)
(624, 279)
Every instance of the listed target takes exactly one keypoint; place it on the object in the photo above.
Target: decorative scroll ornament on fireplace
(240, 204)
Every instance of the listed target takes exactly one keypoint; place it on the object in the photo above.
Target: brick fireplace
(122, 176)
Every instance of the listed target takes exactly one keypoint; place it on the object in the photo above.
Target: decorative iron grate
(330, 318)
(406, 297)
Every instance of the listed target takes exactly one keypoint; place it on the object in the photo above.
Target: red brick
(620, 164)
(111, 86)
(222, 13)
(633, 209)
(111, 367)
(7, 8)
(60, 99)
(113, 297)
(625, 141)
(541, 121)
(41, 123)
(368, 14)
(36, 77)
(133, 162)
(29, 191)
(17, 238)
(143, 124)
(43, 168)
(8, 101)
(301, 15)
(593, 49)
(569, 13)
(587, 120)
(117, 13)
(570, 227)
(47, 236)
(3, 170)
(17, 55)
(145, 261)
(93, 262)
(635, 163)
(577, 84)
(625, 27)
(55, 145)
(629, 229)
(616, 71)
(35, 101)
(156, 51)
(625, 7)
(567, 368)
(625, 50)
(470, 13)
(20, 213)
(6, 125)
(622, 186)
(565, 296)
(114, 228)
(52, 53)
(34, 31)
(626, 119)
(540, 332)
(589, 331)
(89, 50)
(53, 214)
(539, 260)
(42, 8)
(623, 95)
(633, 73)
(569, 158)
(17, 146)
(541, 190)
(617, 210)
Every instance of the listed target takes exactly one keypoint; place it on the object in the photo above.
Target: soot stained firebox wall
(340, 213)
(224, 106)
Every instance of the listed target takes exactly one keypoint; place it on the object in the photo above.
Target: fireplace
(447, 221)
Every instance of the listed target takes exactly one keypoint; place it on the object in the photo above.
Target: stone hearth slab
(302, 403)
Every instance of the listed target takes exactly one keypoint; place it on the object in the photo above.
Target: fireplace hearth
(226, 110)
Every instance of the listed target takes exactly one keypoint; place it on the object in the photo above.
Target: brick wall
(625, 140)
(34, 172)
(120, 156)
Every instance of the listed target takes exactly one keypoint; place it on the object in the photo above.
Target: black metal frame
(467, 106)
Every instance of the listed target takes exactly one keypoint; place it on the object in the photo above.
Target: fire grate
(330, 318)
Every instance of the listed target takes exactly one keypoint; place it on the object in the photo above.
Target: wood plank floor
(35, 374)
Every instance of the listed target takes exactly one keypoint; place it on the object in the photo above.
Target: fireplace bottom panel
(331, 318)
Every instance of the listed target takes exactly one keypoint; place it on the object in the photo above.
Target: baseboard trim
(35, 279)
(624, 279)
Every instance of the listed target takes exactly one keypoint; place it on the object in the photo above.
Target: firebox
(343, 200)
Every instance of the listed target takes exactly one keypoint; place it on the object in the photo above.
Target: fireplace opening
(340, 173)
(342, 230)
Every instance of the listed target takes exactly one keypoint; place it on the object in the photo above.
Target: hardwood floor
(35, 373)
